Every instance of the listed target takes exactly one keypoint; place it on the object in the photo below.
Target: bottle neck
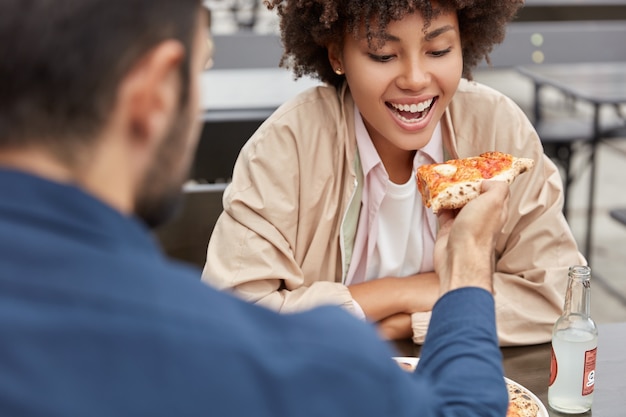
(578, 295)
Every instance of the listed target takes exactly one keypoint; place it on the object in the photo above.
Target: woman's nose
(414, 76)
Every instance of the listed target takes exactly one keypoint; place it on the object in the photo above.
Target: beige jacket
(285, 237)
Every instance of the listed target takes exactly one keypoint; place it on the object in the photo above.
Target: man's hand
(466, 240)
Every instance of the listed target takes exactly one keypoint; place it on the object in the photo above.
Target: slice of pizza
(520, 403)
(454, 183)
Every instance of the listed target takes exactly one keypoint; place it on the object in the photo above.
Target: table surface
(264, 89)
(530, 366)
(599, 83)
(226, 89)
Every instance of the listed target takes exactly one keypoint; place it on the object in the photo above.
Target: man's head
(95, 83)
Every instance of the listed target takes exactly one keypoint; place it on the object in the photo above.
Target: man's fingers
(445, 216)
(493, 199)
(500, 189)
(498, 192)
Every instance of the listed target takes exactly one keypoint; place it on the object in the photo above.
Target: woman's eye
(380, 58)
(441, 52)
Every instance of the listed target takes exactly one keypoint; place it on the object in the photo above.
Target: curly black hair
(308, 26)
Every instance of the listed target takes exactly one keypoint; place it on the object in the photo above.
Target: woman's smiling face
(403, 86)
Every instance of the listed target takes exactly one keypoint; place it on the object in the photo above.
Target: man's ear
(149, 93)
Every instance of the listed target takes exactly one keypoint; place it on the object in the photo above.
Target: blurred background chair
(219, 146)
(187, 235)
(619, 215)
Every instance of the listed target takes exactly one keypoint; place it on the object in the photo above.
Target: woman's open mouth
(412, 113)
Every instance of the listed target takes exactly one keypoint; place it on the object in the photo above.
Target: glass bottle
(574, 347)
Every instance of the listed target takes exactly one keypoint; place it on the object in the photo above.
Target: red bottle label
(589, 374)
(554, 368)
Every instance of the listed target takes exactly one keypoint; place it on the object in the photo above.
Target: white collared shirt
(395, 234)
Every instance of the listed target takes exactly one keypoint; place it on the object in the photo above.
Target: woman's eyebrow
(433, 34)
(429, 36)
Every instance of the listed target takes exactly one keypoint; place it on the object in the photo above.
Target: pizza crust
(456, 196)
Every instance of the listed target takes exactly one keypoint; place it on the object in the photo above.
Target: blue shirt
(94, 321)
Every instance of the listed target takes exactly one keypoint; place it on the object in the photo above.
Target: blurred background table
(530, 366)
(599, 84)
(244, 94)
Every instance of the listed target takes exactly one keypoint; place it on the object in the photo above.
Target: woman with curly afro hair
(323, 207)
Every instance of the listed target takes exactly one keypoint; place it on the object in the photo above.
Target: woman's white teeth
(413, 108)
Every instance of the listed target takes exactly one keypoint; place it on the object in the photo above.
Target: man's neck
(37, 163)
(96, 177)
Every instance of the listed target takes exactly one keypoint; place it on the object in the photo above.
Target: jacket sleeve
(533, 255)
(536, 246)
(261, 241)
(463, 321)
(349, 371)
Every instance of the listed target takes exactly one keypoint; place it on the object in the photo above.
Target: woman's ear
(335, 58)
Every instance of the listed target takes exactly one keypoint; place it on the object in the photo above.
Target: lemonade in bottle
(574, 347)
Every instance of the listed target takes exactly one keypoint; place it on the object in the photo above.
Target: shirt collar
(433, 150)
(367, 152)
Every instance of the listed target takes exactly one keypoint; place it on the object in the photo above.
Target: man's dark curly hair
(308, 26)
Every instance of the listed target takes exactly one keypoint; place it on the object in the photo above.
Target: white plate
(408, 361)
(411, 362)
